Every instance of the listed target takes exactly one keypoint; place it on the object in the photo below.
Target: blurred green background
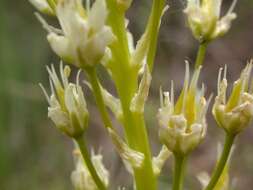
(34, 155)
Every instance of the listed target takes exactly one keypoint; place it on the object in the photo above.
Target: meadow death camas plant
(93, 33)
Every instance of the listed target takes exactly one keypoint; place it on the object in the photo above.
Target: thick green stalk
(201, 54)
(222, 162)
(85, 154)
(122, 70)
(91, 71)
(179, 170)
(126, 79)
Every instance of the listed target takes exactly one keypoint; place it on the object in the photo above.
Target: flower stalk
(179, 171)
(86, 156)
(92, 74)
(201, 54)
(222, 162)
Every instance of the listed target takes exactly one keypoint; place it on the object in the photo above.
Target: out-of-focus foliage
(32, 153)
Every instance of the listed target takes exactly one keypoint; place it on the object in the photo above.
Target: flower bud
(140, 98)
(131, 158)
(83, 37)
(81, 178)
(159, 161)
(235, 114)
(183, 125)
(205, 21)
(67, 106)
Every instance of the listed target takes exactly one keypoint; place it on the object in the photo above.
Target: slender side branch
(153, 26)
(91, 71)
(201, 54)
(85, 154)
(222, 162)
(179, 170)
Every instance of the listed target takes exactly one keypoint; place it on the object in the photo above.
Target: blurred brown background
(34, 155)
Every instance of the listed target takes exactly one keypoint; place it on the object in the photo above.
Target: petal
(139, 99)
(59, 117)
(70, 100)
(94, 49)
(65, 11)
(100, 168)
(62, 47)
(97, 15)
(130, 156)
(69, 13)
(42, 6)
(223, 25)
(159, 161)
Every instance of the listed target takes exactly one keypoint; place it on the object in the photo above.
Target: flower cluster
(183, 125)
(205, 21)
(81, 177)
(235, 113)
(83, 37)
(67, 106)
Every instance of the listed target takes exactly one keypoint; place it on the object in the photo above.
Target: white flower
(42, 6)
(67, 106)
(236, 113)
(81, 177)
(183, 126)
(84, 36)
(205, 20)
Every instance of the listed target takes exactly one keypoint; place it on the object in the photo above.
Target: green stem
(201, 54)
(179, 170)
(134, 124)
(91, 71)
(85, 154)
(222, 162)
(153, 26)
(144, 177)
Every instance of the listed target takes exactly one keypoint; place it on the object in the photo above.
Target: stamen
(172, 95)
(57, 82)
(78, 77)
(51, 86)
(167, 98)
(186, 84)
(219, 81)
(195, 78)
(46, 26)
(207, 104)
(45, 92)
(161, 97)
(63, 75)
(232, 7)
(225, 72)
